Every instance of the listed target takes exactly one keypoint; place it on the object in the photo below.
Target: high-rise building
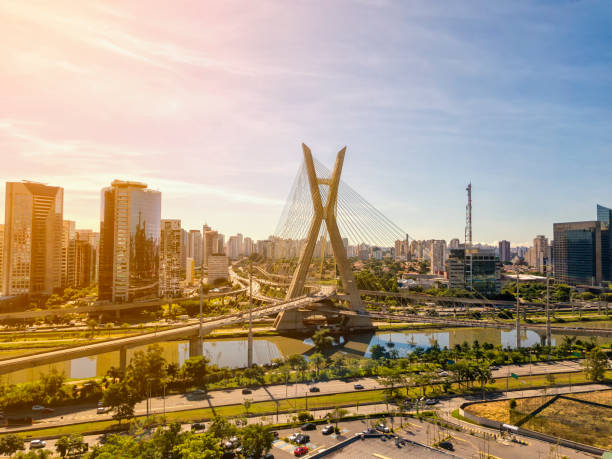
(190, 274)
(1, 257)
(247, 249)
(32, 238)
(195, 247)
(604, 215)
(454, 243)
(129, 242)
(437, 250)
(68, 236)
(240, 238)
(170, 257)
(477, 269)
(93, 239)
(504, 251)
(581, 252)
(540, 253)
(81, 261)
(211, 245)
(233, 247)
(217, 267)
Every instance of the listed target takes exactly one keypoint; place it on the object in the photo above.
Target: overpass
(116, 307)
(448, 300)
(190, 331)
(541, 329)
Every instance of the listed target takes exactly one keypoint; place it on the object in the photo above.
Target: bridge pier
(123, 358)
(195, 347)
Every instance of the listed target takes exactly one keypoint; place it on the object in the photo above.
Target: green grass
(315, 402)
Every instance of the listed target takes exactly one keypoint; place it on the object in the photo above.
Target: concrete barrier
(528, 433)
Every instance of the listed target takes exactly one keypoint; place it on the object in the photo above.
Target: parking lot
(284, 449)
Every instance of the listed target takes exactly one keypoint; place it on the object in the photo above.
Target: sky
(209, 103)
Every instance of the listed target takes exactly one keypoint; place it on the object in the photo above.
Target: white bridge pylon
(324, 214)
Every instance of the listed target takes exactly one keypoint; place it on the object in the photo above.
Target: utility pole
(548, 333)
(200, 337)
(518, 312)
(250, 344)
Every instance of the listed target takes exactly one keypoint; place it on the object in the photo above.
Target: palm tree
(338, 414)
(317, 360)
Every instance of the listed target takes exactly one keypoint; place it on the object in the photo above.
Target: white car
(38, 408)
(34, 444)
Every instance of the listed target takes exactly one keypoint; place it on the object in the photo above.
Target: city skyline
(209, 105)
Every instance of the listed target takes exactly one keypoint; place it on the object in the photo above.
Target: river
(232, 352)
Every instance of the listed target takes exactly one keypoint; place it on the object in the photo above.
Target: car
(294, 436)
(300, 451)
(327, 430)
(35, 444)
(494, 367)
(447, 445)
(235, 441)
(275, 433)
(38, 408)
(246, 391)
(431, 401)
(47, 410)
(302, 439)
(198, 394)
(100, 403)
(268, 456)
(358, 387)
(382, 428)
(314, 389)
(309, 426)
(443, 373)
(198, 426)
(101, 410)
(228, 455)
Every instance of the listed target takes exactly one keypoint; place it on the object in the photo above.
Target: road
(179, 402)
(19, 363)
(468, 443)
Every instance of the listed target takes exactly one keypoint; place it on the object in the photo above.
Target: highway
(216, 398)
(184, 331)
(485, 324)
(111, 307)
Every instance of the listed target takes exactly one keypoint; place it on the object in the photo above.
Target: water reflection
(233, 352)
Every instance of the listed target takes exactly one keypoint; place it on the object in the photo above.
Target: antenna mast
(468, 218)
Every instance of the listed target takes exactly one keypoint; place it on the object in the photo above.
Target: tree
(221, 428)
(121, 399)
(92, 324)
(195, 370)
(247, 405)
(337, 414)
(378, 352)
(484, 375)
(165, 441)
(199, 446)
(10, 444)
(115, 373)
(322, 340)
(38, 454)
(317, 360)
(596, 364)
(72, 445)
(256, 440)
(147, 370)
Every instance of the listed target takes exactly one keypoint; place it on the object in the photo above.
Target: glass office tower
(129, 242)
(582, 253)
